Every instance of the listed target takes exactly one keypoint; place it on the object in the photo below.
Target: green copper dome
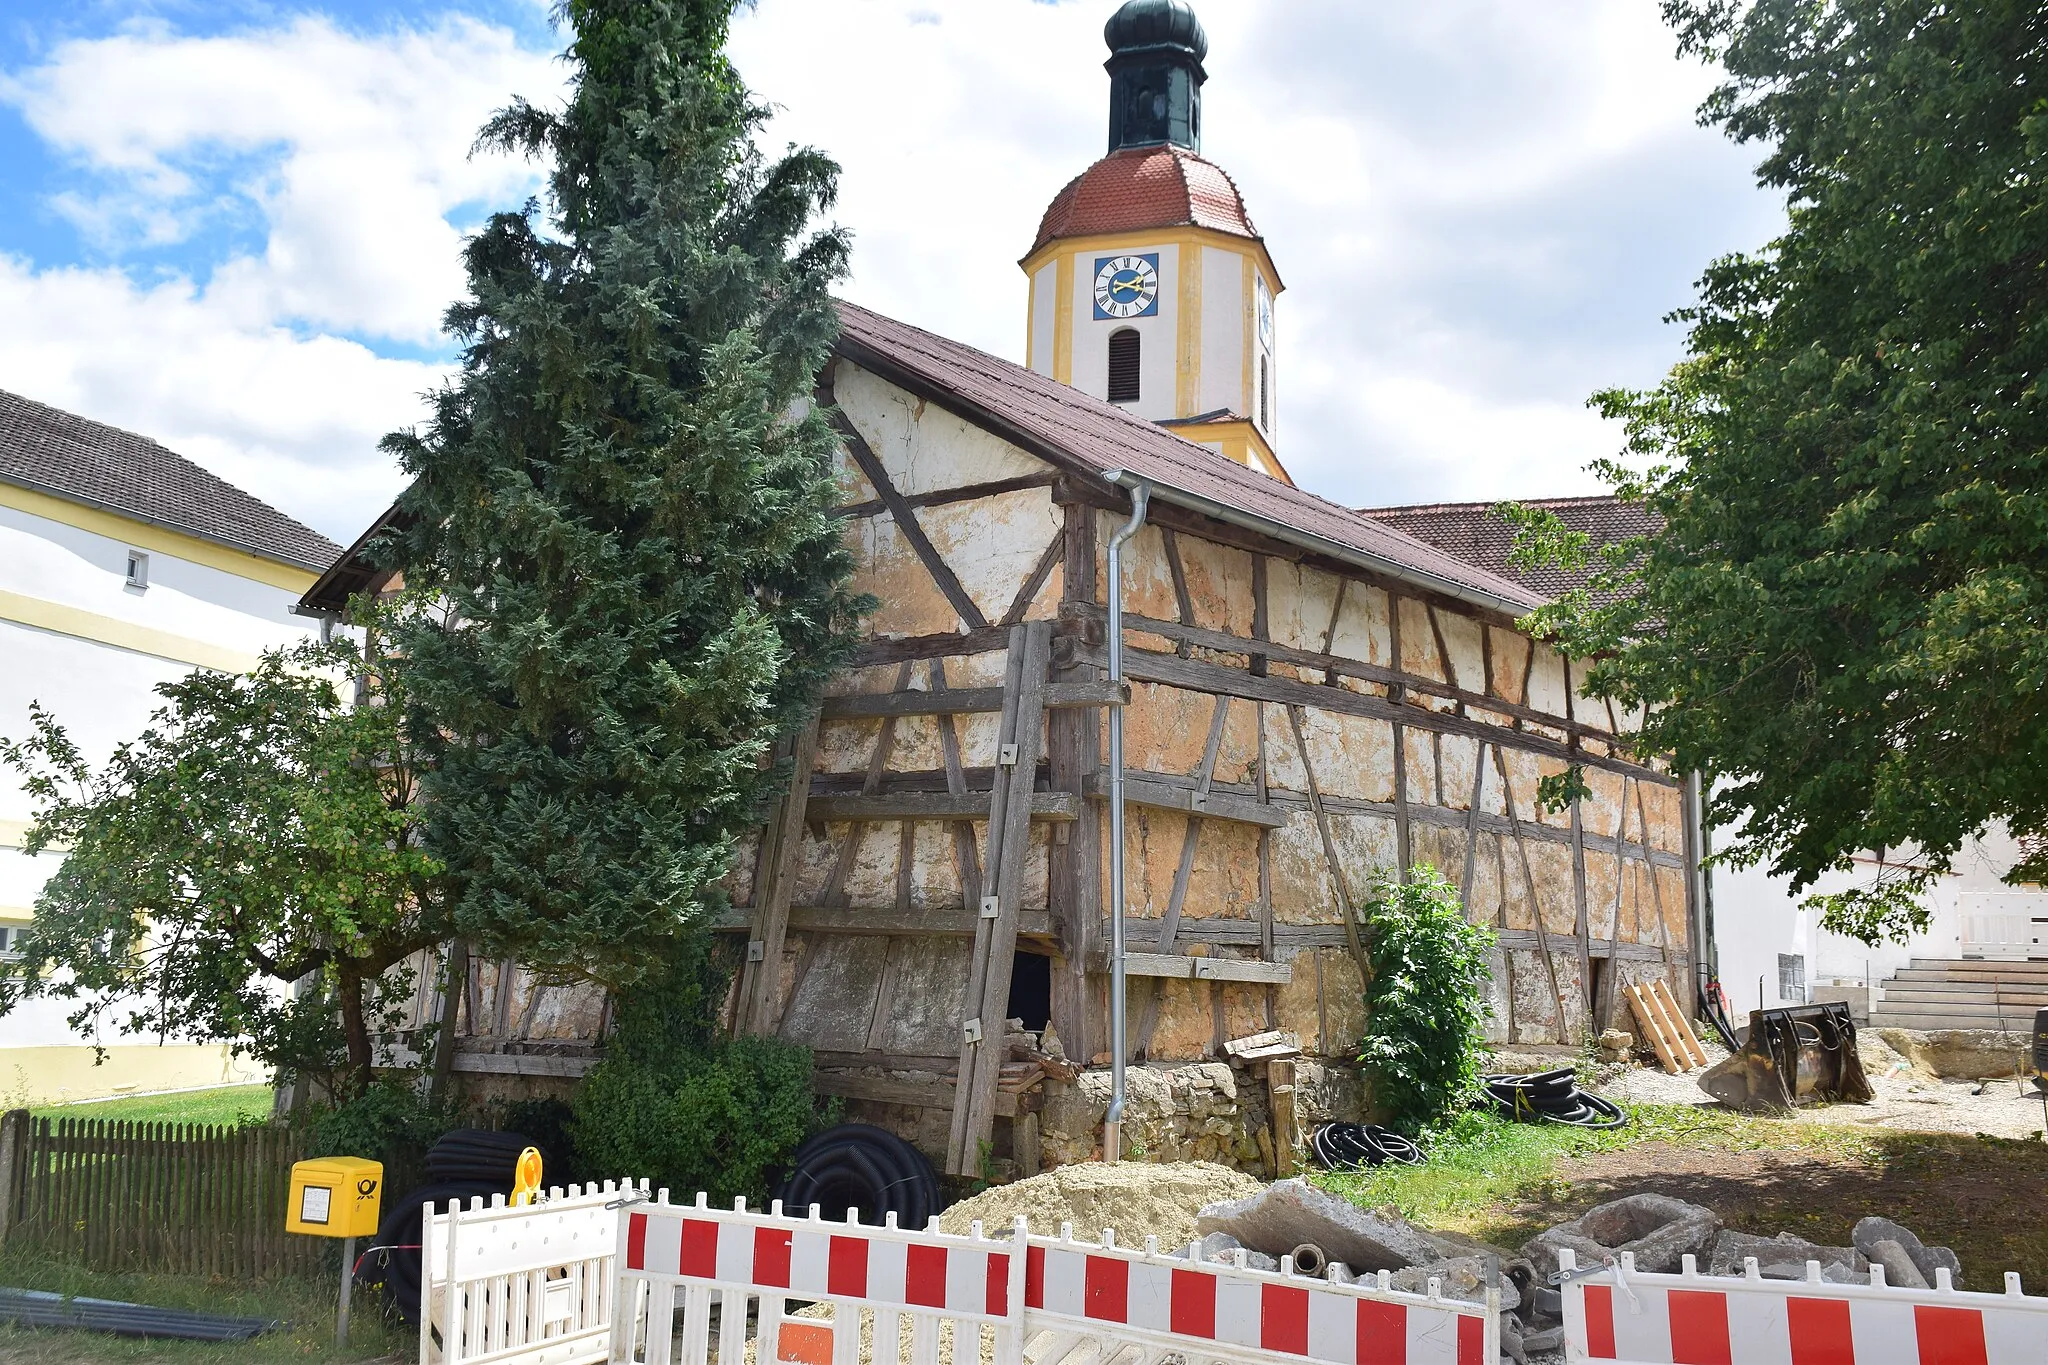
(1155, 75)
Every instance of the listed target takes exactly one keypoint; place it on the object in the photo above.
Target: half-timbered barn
(1313, 698)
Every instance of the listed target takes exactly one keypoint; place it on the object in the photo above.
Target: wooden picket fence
(176, 1198)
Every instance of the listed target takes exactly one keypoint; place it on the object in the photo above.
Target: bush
(673, 1102)
(720, 1121)
(389, 1122)
(1425, 1001)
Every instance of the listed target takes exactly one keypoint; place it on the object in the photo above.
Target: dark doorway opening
(1030, 990)
(1597, 1000)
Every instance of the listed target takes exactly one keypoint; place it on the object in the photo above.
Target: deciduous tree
(1844, 620)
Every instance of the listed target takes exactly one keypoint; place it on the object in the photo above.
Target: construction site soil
(1137, 1199)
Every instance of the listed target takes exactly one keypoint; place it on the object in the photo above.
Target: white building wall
(1224, 308)
(1757, 917)
(101, 692)
(1158, 334)
(1045, 312)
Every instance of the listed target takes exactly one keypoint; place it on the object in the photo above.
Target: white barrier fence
(1620, 1315)
(611, 1276)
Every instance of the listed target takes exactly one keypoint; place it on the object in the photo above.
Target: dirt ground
(1906, 1100)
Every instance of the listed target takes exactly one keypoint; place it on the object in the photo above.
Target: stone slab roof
(65, 456)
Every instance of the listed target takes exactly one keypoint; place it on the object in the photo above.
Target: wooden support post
(761, 979)
(1074, 886)
(981, 1057)
(1286, 1137)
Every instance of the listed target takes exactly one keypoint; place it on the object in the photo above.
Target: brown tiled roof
(1070, 429)
(1470, 531)
(54, 452)
(1146, 187)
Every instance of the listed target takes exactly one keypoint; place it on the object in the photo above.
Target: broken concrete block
(1217, 1247)
(1899, 1270)
(1926, 1259)
(1511, 1339)
(1784, 1257)
(1658, 1231)
(1282, 1216)
(1464, 1278)
(1549, 1339)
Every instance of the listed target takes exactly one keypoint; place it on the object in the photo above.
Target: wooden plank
(901, 513)
(1240, 1047)
(763, 972)
(915, 1094)
(895, 921)
(863, 705)
(973, 492)
(1403, 846)
(1652, 1028)
(1686, 1036)
(1212, 805)
(982, 1064)
(1180, 967)
(1200, 675)
(957, 1135)
(950, 644)
(1074, 881)
(1058, 806)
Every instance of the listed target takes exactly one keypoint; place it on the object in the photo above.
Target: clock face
(1265, 315)
(1126, 286)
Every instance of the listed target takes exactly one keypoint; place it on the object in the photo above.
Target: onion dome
(1155, 75)
(1141, 188)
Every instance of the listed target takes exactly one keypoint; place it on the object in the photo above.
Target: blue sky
(233, 226)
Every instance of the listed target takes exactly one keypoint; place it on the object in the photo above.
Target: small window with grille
(1792, 977)
(1265, 396)
(1123, 365)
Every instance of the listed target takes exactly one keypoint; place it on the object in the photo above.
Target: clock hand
(1127, 286)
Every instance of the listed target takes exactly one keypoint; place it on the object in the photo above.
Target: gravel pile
(1139, 1199)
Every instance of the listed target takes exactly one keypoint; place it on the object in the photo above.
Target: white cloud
(1481, 209)
(347, 155)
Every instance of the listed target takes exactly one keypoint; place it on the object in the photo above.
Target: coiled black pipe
(1550, 1097)
(393, 1260)
(1347, 1146)
(858, 1166)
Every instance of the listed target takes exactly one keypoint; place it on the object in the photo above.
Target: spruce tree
(623, 502)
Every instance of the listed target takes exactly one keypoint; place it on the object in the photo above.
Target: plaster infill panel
(1353, 756)
(888, 566)
(1419, 654)
(1219, 580)
(1508, 654)
(929, 996)
(834, 1003)
(922, 447)
(993, 544)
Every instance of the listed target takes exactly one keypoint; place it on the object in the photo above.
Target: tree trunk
(357, 1032)
(453, 993)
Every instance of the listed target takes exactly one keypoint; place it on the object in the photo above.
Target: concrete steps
(1963, 993)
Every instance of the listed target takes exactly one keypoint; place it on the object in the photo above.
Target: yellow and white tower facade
(1150, 288)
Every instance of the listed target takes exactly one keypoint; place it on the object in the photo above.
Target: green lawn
(231, 1104)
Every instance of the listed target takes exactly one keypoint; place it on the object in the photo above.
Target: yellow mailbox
(336, 1196)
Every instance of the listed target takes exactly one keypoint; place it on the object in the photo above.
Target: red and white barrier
(1058, 1295)
(1619, 1315)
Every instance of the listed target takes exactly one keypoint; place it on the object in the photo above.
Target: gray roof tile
(66, 456)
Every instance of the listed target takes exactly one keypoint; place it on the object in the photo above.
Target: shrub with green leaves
(678, 1105)
(1425, 1000)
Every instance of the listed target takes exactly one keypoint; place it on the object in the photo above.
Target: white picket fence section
(609, 1275)
(1620, 1315)
(524, 1286)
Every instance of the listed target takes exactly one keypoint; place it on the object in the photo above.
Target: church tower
(1149, 285)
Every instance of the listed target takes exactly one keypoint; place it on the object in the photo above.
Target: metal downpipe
(1112, 1127)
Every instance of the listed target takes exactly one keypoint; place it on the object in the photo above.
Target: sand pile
(1139, 1199)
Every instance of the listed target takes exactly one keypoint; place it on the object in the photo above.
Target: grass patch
(229, 1104)
(305, 1306)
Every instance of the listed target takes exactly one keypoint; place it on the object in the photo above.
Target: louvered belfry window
(1123, 366)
